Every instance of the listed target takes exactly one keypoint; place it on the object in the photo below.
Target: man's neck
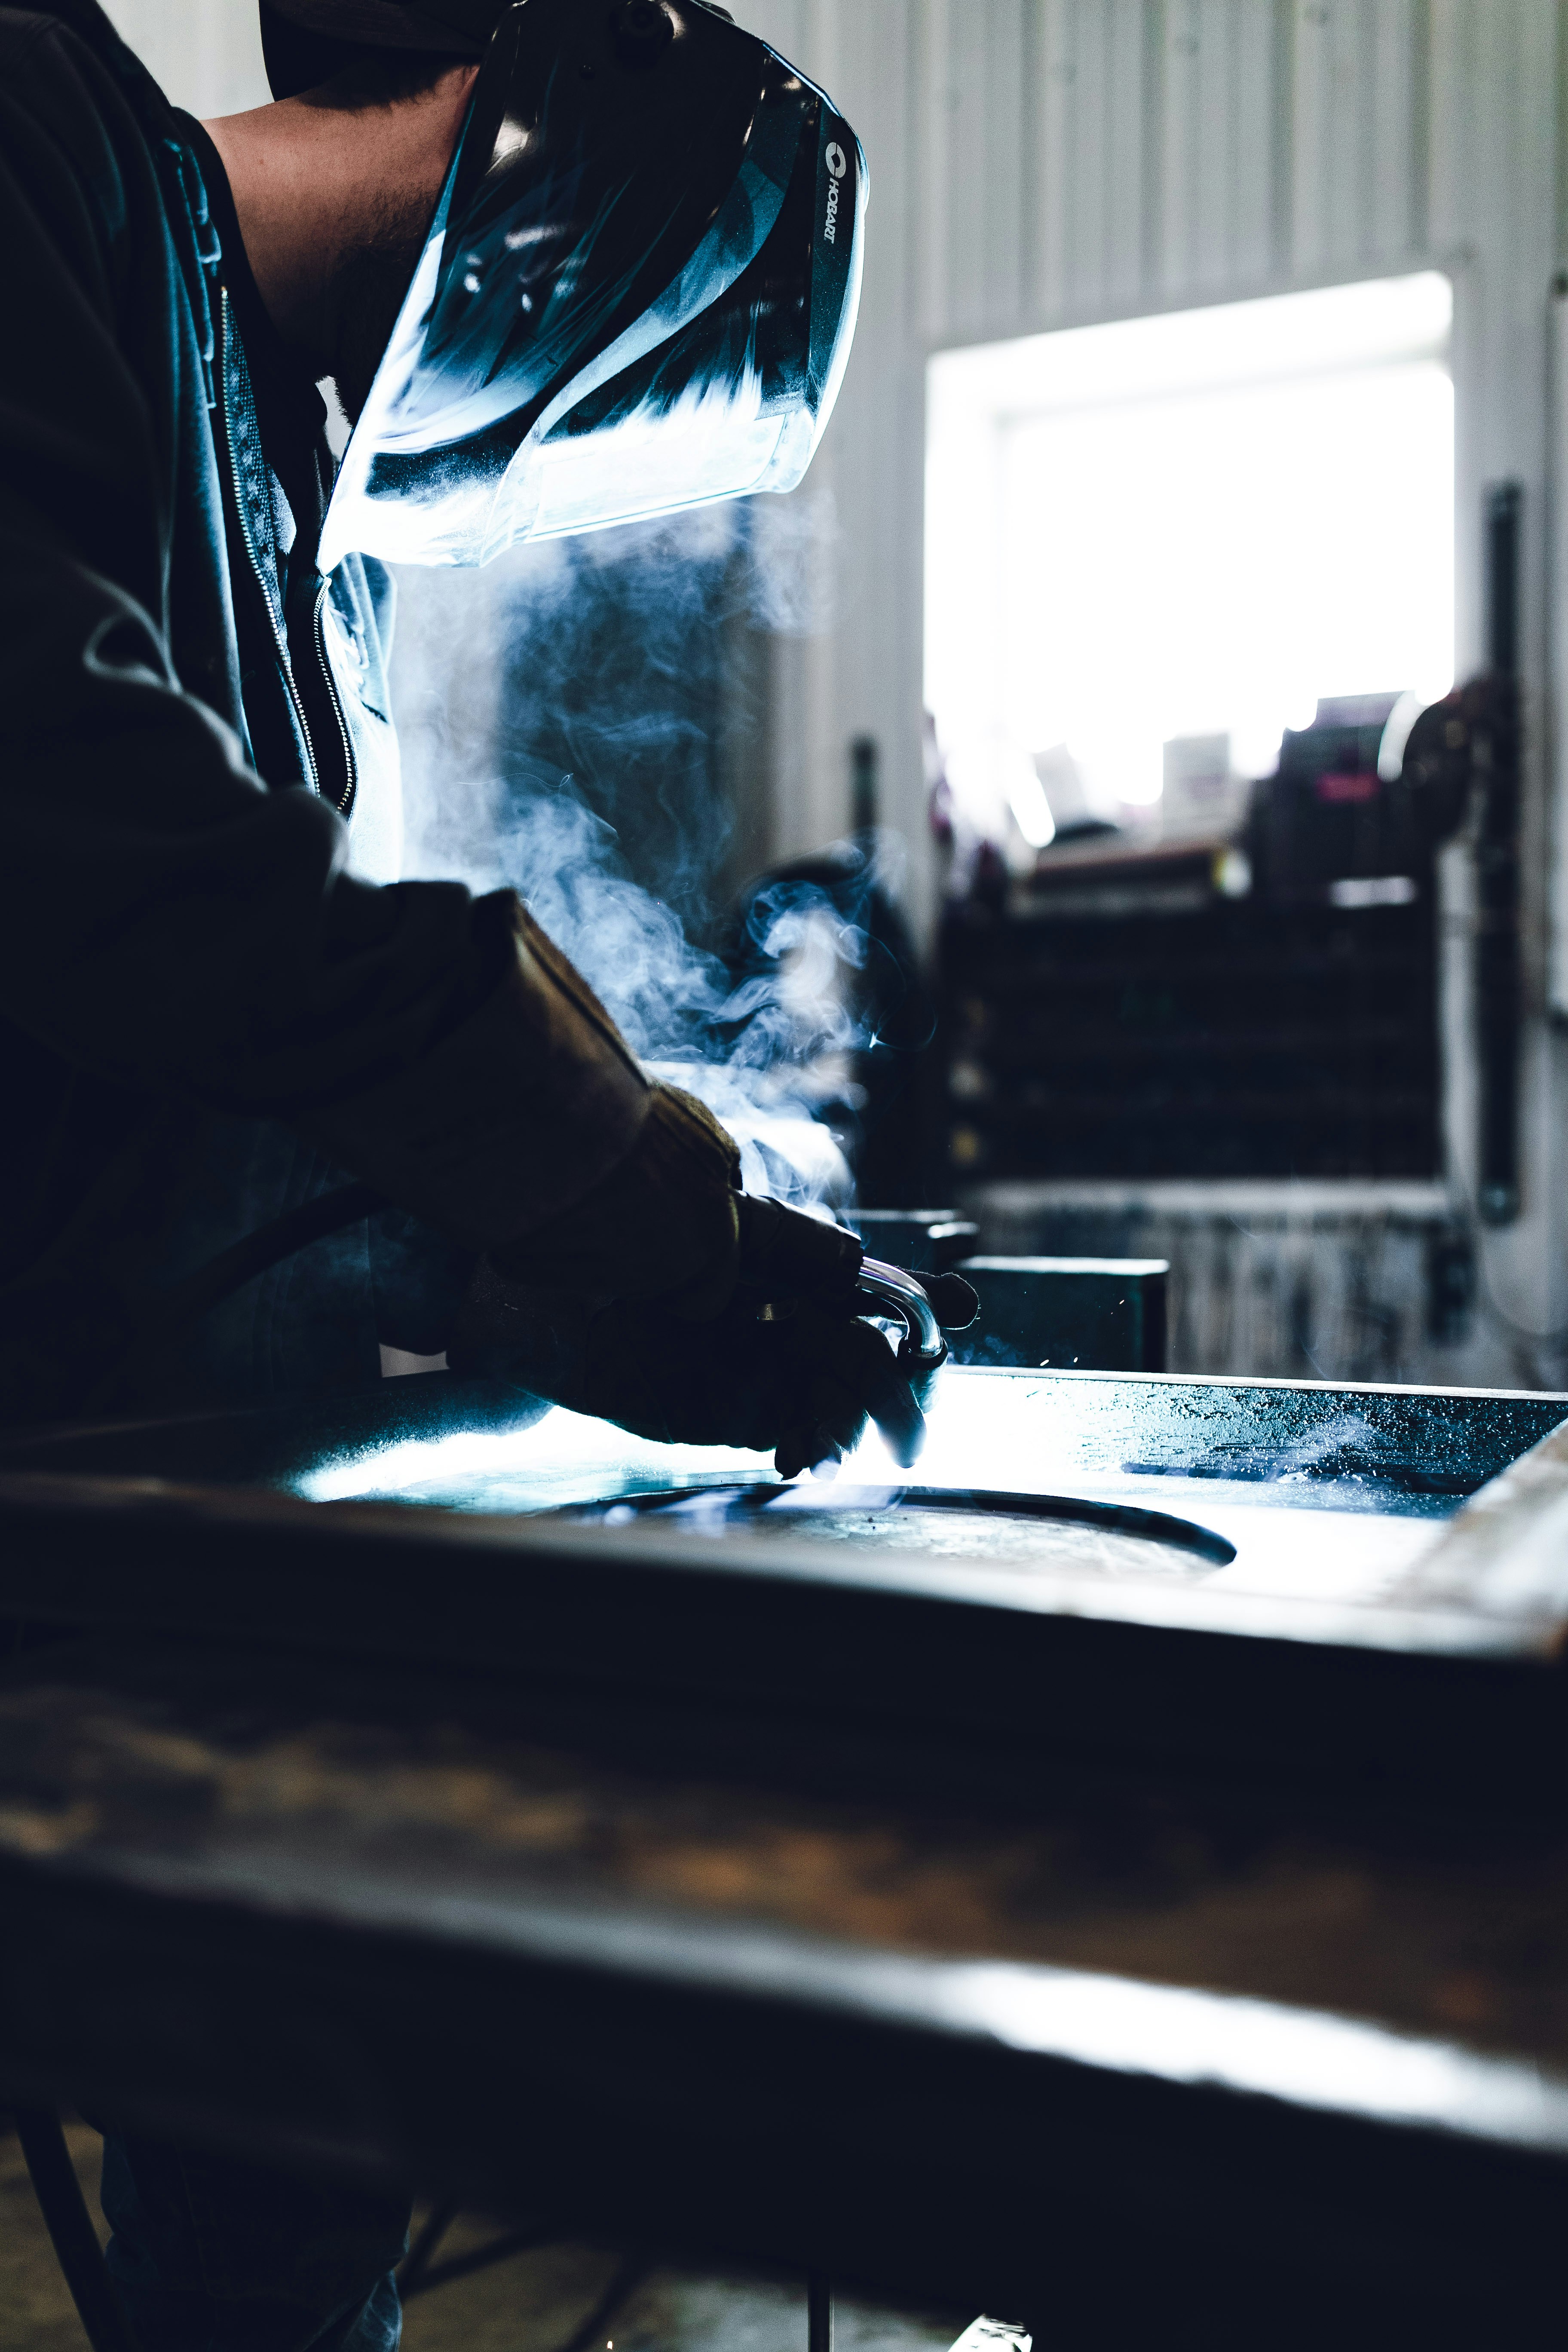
(316, 185)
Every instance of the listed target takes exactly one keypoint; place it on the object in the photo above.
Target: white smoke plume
(553, 729)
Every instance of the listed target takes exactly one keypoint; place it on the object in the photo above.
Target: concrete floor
(536, 2301)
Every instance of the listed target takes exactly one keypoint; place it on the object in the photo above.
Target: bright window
(1193, 525)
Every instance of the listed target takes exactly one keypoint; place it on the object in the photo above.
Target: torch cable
(173, 1311)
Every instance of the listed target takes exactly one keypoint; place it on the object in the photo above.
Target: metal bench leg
(818, 2315)
(74, 2239)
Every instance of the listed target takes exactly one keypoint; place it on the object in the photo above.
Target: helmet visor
(607, 327)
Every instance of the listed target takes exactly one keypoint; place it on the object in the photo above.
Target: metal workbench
(1189, 1955)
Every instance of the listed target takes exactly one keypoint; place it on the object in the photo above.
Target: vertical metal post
(1504, 501)
(818, 2315)
(864, 790)
(1556, 697)
(1497, 752)
(71, 2231)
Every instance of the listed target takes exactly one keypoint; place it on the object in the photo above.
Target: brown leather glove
(670, 1223)
(645, 1306)
(663, 1223)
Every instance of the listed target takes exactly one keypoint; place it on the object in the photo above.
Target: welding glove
(670, 1223)
(673, 1303)
(664, 1222)
(788, 1373)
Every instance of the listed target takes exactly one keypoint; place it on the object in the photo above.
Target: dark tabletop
(770, 1989)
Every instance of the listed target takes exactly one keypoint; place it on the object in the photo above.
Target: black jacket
(206, 1012)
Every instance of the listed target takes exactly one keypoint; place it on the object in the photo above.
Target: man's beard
(368, 287)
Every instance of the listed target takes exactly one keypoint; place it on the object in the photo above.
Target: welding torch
(922, 1305)
(892, 1295)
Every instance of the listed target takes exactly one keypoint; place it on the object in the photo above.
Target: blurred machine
(1131, 1019)
(1259, 999)
(1260, 1005)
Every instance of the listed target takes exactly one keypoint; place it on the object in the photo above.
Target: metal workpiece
(997, 1667)
(474, 1443)
(436, 1523)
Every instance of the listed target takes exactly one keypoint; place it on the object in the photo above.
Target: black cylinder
(1497, 759)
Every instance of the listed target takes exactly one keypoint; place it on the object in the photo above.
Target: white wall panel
(1057, 135)
(1123, 99)
(1214, 64)
(1398, 67)
(1246, 133)
(1180, 143)
(927, 39)
(983, 124)
(206, 54)
(1006, 126)
(1214, 135)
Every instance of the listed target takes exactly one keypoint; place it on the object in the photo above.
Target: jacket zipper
(279, 636)
(350, 776)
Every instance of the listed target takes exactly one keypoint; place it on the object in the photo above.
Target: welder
(567, 262)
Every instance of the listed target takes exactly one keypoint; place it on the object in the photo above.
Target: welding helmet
(636, 294)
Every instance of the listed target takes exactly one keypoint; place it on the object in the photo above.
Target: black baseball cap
(304, 42)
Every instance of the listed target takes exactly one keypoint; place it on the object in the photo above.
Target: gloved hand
(781, 1365)
(674, 1305)
(801, 1383)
